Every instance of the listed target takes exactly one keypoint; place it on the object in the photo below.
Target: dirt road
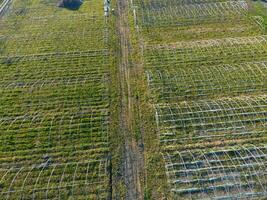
(131, 159)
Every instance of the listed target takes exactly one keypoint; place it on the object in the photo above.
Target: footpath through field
(131, 155)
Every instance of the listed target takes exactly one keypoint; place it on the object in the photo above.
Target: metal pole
(106, 7)
(4, 6)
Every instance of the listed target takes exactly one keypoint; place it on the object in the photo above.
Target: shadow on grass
(70, 4)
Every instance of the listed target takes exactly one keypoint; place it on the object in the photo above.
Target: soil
(132, 160)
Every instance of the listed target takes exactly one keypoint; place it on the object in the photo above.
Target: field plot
(208, 52)
(168, 21)
(212, 122)
(234, 173)
(54, 102)
(63, 32)
(174, 83)
(205, 65)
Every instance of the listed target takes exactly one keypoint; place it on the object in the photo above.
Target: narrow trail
(131, 166)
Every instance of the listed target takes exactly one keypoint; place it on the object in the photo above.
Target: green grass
(205, 22)
(230, 27)
(205, 68)
(172, 84)
(55, 101)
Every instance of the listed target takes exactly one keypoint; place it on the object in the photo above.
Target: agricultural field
(205, 65)
(55, 101)
(161, 99)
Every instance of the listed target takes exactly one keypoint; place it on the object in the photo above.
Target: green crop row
(166, 3)
(63, 35)
(229, 27)
(207, 52)
(175, 15)
(176, 83)
(224, 119)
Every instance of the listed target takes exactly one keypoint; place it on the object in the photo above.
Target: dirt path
(131, 159)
